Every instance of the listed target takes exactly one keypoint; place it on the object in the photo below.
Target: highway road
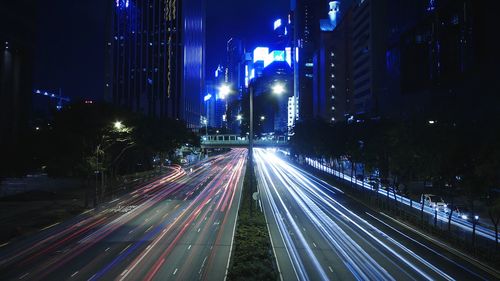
(179, 227)
(484, 229)
(319, 233)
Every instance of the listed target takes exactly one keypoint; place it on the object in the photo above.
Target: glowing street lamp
(224, 91)
(239, 117)
(206, 99)
(262, 118)
(278, 89)
(118, 125)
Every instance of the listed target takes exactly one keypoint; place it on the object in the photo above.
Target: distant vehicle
(434, 201)
(462, 212)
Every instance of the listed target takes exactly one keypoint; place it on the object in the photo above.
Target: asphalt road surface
(179, 227)
(319, 233)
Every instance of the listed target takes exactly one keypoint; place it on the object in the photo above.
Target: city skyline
(249, 140)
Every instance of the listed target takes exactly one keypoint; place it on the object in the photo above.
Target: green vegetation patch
(253, 257)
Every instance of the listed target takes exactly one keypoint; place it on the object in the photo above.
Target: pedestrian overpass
(230, 141)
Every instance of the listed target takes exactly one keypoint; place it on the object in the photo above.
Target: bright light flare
(118, 125)
(278, 89)
(224, 91)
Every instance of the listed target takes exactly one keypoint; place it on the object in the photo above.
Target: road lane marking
(149, 228)
(72, 275)
(331, 270)
(107, 249)
(189, 248)
(47, 227)
(24, 275)
(199, 229)
(202, 264)
(126, 248)
(88, 211)
(314, 244)
(124, 272)
(443, 245)
(175, 271)
(4, 244)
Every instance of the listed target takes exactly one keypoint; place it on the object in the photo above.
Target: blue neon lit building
(156, 57)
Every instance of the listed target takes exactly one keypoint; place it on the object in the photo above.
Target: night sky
(70, 48)
(70, 41)
(251, 21)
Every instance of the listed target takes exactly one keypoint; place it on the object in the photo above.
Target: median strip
(253, 257)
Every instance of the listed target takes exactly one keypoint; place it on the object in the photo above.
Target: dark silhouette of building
(306, 33)
(157, 57)
(333, 65)
(17, 47)
(440, 62)
(235, 73)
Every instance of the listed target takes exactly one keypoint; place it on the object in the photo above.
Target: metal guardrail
(481, 230)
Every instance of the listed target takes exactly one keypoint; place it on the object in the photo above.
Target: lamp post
(224, 91)
(278, 89)
(207, 99)
(250, 137)
(106, 142)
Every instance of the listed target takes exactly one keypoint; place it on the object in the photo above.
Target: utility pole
(250, 149)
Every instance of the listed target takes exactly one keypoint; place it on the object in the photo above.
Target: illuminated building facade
(156, 58)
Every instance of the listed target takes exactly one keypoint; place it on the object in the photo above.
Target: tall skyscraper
(369, 37)
(235, 74)
(17, 48)
(333, 64)
(306, 31)
(156, 57)
(17, 38)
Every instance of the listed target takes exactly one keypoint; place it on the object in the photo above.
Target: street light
(278, 89)
(262, 118)
(118, 125)
(224, 91)
(239, 117)
(206, 99)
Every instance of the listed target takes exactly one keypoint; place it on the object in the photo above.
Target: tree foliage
(83, 137)
(461, 154)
